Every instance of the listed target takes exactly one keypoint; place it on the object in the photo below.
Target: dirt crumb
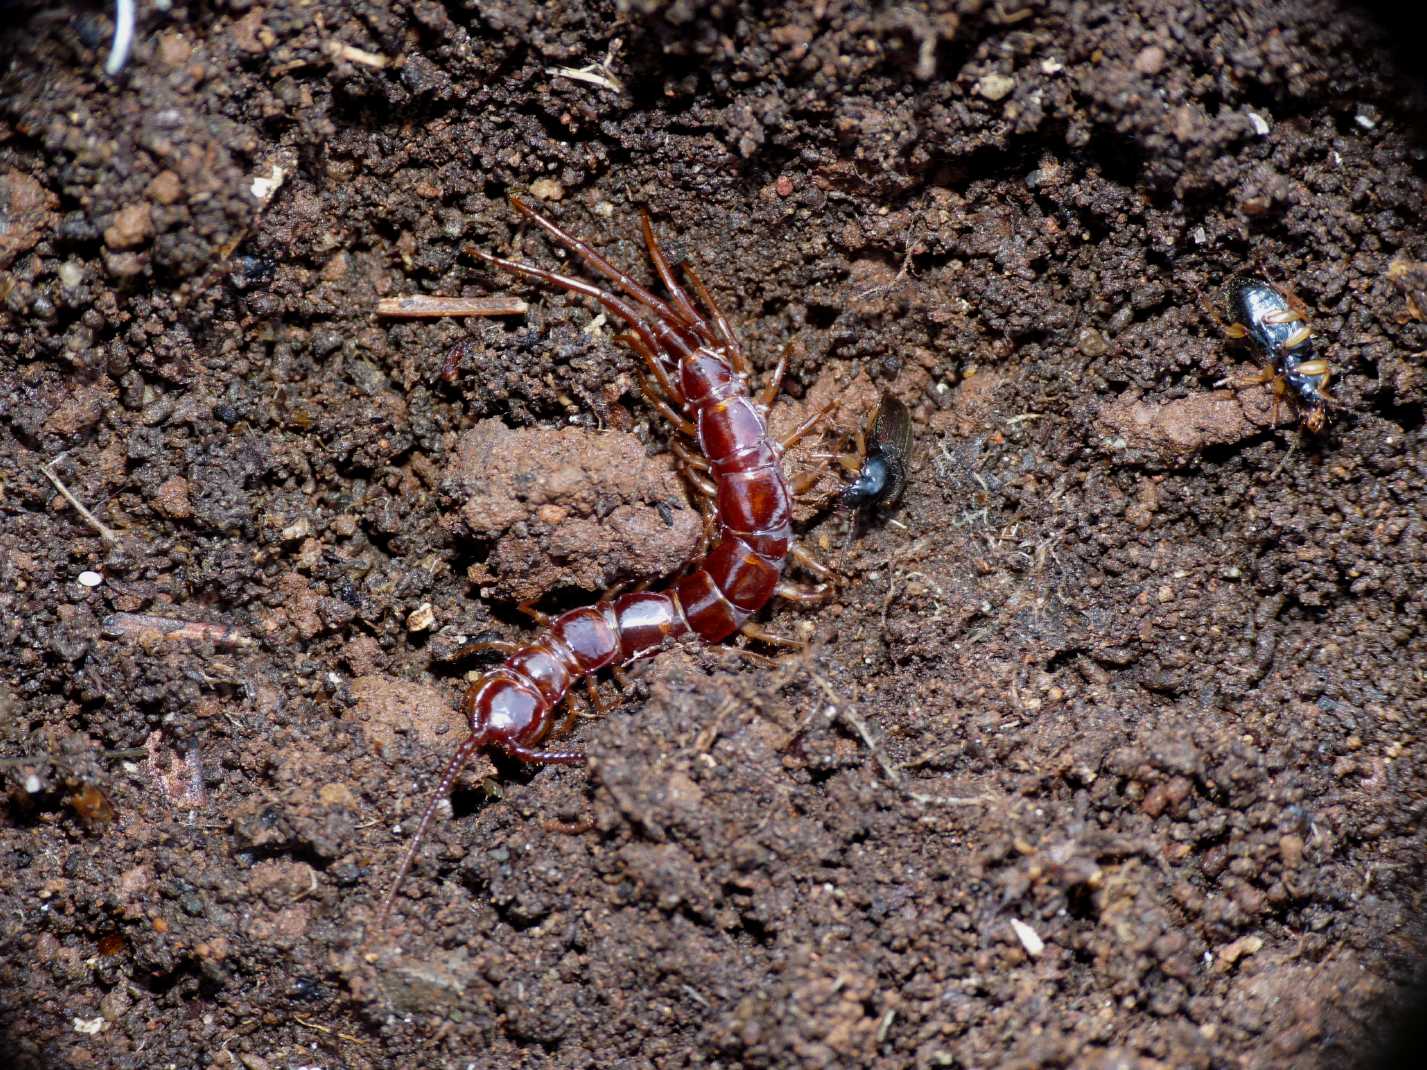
(567, 508)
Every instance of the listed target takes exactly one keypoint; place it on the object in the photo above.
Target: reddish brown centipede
(701, 385)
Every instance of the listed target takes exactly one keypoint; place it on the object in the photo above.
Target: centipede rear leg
(756, 631)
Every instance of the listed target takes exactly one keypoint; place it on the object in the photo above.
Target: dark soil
(1167, 652)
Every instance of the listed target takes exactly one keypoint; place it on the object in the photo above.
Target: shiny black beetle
(883, 473)
(1278, 330)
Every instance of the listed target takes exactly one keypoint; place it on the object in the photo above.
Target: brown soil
(1168, 654)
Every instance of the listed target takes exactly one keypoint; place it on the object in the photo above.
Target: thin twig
(133, 625)
(428, 306)
(106, 533)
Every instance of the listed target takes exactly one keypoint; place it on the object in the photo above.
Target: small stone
(133, 225)
(1259, 123)
(547, 189)
(421, 619)
(1290, 848)
(1150, 60)
(995, 86)
(1029, 938)
(1091, 343)
(90, 579)
(71, 274)
(298, 530)
(335, 794)
(165, 188)
(27, 211)
(172, 498)
(784, 186)
(174, 51)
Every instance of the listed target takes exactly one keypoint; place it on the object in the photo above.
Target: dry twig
(105, 532)
(429, 306)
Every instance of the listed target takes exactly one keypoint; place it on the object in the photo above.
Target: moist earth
(1107, 749)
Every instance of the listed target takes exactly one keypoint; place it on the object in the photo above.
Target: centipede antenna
(463, 754)
(612, 302)
(596, 262)
(677, 294)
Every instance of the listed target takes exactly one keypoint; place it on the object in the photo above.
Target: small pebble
(133, 225)
(1029, 938)
(995, 86)
(1150, 60)
(547, 189)
(90, 579)
(421, 619)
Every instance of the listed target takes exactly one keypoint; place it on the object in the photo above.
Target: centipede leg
(664, 409)
(667, 388)
(689, 458)
(757, 631)
(806, 481)
(807, 561)
(500, 646)
(611, 302)
(593, 692)
(666, 274)
(572, 714)
(534, 614)
(543, 757)
(806, 596)
(792, 437)
(705, 487)
(706, 536)
(771, 389)
(1240, 382)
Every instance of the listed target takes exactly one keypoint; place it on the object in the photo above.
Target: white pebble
(90, 579)
(1029, 938)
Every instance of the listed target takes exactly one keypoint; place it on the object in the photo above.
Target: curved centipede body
(700, 382)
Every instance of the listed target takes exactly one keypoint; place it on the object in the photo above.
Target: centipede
(700, 380)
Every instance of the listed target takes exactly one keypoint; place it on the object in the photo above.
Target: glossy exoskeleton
(1276, 328)
(883, 474)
